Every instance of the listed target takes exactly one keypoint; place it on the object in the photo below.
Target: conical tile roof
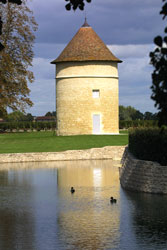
(86, 45)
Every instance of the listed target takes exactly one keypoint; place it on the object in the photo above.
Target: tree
(4, 2)
(53, 113)
(18, 38)
(48, 114)
(129, 113)
(29, 117)
(150, 116)
(159, 75)
(123, 113)
(74, 4)
(15, 116)
(137, 115)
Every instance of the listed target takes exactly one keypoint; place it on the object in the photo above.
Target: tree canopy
(18, 38)
(19, 116)
(74, 4)
(19, 2)
(130, 113)
(159, 75)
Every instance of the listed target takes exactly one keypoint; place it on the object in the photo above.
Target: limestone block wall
(109, 152)
(143, 176)
(74, 102)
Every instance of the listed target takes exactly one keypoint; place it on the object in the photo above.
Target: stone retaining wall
(143, 176)
(109, 152)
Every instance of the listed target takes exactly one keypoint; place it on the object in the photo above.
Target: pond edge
(107, 152)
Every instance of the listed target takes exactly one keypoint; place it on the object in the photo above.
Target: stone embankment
(108, 152)
(142, 176)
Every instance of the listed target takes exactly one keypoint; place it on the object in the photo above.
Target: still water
(38, 212)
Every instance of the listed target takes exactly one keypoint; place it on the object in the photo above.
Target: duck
(112, 200)
(72, 190)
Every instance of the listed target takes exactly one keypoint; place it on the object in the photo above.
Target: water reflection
(150, 219)
(88, 212)
(38, 211)
(16, 221)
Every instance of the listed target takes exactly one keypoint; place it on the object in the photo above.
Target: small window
(96, 93)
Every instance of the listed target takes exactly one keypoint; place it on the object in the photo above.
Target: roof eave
(86, 60)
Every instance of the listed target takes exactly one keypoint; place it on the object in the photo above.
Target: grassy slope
(46, 142)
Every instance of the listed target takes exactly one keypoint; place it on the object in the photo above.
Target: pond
(38, 211)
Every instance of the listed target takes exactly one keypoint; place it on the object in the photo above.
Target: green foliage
(159, 75)
(19, 116)
(26, 125)
(126, 113)
(150, 116)
(137, 123)
(149, 144)
(53, 113)
(130, 113)
(15, 116)
(74, 4)
(29, 117)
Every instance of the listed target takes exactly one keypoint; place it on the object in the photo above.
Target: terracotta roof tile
(86, 45)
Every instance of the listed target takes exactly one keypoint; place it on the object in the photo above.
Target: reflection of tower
(88, 173)
(86, 219)
(86, 86)
(97, 177)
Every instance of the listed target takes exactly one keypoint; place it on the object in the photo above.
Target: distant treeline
(10, 126)
(129, 117)
(129, 114)
(137, 124)
(44, 125)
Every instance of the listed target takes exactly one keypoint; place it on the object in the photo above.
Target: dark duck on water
(112, 200)
(72, 190)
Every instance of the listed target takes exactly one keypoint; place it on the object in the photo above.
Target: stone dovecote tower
(87, 86)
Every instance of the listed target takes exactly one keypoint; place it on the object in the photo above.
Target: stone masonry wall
(143, 176)
(74, 102)
(108, 152)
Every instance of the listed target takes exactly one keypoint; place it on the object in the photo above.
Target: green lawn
(47, 142)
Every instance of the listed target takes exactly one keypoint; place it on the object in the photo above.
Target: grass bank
(47, 142)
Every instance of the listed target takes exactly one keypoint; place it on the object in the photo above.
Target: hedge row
(50, 125)
(137, 123)
(9, 126)
(149, 144)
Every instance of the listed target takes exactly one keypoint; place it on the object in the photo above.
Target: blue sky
(126, 27)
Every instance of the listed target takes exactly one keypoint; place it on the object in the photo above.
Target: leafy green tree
(16, 116)
(29, 117)
(129, 113)
(124, 114)
(15, 59)
(149, 116)
(51, 113)
(159, 75)
(48, 114)
(137, 115)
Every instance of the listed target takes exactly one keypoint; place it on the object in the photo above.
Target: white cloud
(131, 50)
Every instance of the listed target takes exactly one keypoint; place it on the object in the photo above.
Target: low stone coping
(108, 152)
(142, 176)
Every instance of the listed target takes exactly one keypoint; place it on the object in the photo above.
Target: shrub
(149, 144)
(137, 123)
(4, 126)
